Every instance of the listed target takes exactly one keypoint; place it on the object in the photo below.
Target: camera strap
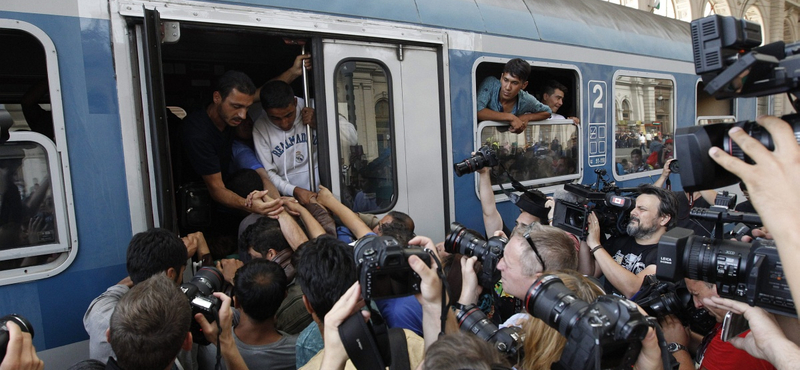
(399, 350)
(445, 289)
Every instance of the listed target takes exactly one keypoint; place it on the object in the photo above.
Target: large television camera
(746, 272)
(604, 334)
(726, 57)
(611, 205)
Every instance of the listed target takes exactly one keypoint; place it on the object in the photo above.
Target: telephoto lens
(23, 324)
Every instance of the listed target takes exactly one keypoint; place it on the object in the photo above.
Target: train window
(366, 130)
(34, 186)
(644, 123)
(547, 153)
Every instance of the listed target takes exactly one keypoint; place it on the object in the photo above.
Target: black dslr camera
(199, 290)
(604, 334)
(469, 243)
(383, 267)
(485, 156)
(611, 208)
(508, 340)
(726, 57)
(23, 324)
(750, 273)
(662, 298)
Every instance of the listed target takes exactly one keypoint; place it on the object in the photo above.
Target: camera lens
(470, 164)
(467, 242)
(756, 132)
(23, 324)
(575, 218)
(551, 301)
(476, 322)
(674, 167)
(206, 281)
(716, 260)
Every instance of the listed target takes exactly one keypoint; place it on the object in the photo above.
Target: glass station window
(366, 136)
(644, 123)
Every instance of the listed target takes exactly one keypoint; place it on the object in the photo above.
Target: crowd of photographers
(642, 278)
(481, 303)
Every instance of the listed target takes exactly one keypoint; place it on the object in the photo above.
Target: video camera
(604, 334)
(199, 291)
(750, 273)
(383, 267)
(609, 205)
(726, 57)
(489, 252)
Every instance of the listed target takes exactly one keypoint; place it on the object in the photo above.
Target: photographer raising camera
(634, 256)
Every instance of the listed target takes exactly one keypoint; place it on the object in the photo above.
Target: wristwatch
(675, 347)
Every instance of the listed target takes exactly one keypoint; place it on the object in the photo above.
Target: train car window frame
(616, 101)
(557, 71)
(387, 97)
(530, 183)
(64, 250)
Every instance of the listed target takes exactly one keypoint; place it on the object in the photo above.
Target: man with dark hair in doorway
(208, 138)
(553, 96)
(151, 252)
(281, 142)
(624, 261)
(506, 99)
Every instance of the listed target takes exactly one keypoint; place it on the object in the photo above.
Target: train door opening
(194, 55)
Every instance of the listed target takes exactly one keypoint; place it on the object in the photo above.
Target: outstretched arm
(492, 221)
(348, 217)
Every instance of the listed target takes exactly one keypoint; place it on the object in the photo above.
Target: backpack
(652, 160)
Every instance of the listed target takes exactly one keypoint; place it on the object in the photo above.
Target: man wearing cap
(531, 206)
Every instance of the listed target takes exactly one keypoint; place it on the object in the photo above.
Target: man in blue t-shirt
(506, 99)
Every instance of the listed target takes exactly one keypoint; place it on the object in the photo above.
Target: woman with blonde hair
(543, 344)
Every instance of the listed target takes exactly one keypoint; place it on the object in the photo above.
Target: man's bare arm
(348, 217)
(492, 221)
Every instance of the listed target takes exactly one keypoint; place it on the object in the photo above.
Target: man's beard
(639, 232)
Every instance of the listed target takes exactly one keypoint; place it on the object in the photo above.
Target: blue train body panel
(55, 305)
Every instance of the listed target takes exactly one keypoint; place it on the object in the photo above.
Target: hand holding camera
(348, 305)
(16, 343)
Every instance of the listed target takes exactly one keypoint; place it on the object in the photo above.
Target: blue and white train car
(92, 156)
